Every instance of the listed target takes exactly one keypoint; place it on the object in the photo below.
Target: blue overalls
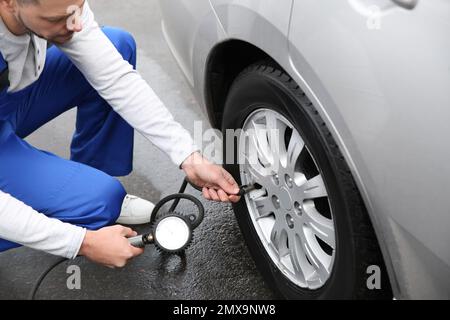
(82, 190)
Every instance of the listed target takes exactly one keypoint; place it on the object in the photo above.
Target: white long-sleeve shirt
(121, 86)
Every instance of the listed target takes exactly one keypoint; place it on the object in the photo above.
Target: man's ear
(9, 5)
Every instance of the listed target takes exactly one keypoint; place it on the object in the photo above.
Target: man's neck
(14, 26)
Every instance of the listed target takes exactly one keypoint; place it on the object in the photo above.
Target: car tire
(266, 85)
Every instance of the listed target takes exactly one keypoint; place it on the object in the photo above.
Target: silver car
(359, 205)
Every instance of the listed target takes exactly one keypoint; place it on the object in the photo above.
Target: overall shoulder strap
(4, 74)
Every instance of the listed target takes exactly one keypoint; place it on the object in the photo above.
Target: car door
(381, 70)
(181, 24)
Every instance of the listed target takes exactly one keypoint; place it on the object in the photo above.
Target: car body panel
(386, 91)
(384, 94)
(262, 21)
(187, 26)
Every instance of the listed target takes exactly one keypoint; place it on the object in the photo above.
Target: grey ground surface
(217, 266)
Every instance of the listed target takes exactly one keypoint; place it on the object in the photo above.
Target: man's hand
(109, 246)
(217, 183)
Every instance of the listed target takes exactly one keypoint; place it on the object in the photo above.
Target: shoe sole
(133, 220)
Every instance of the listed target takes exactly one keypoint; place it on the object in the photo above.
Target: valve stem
(247, 188)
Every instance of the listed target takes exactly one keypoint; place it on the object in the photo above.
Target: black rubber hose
(42, 277)
(177, 197)
(182, 189)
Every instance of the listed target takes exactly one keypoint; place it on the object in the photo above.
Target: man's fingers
(205, 193)
(213, 194)
(136, 251)
(227, 183)
(229, 178)
(234, 198)
(127, 232)
(223, 196)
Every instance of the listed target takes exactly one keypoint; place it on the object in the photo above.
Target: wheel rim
(291, 212)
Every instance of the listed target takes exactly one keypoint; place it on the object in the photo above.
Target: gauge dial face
(172, 233)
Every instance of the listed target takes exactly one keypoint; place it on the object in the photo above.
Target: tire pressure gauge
(172, 233)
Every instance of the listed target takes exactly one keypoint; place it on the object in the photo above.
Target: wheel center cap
(285, 199)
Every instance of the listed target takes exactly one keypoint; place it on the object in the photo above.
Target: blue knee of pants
(82, 190)
(63, 189)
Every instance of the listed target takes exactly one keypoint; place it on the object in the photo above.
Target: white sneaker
(135, 210)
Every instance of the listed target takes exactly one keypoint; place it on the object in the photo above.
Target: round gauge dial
(172, 233)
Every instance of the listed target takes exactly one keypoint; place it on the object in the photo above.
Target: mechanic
(54, 58)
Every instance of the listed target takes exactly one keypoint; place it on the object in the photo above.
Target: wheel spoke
(277, 234)
(258, 136)
(265, 207)
(318, 258)
(299, 263)
(275, 133)
(258, 174)
(322, 227)
(257, 157)
(295, 147)
(313, 188)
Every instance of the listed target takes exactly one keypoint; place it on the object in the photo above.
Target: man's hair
(26, 2)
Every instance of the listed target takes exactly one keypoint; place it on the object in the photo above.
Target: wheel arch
(224, 63)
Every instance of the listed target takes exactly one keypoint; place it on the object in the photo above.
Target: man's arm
(21, 224)
(131, 97)
(125, 90)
